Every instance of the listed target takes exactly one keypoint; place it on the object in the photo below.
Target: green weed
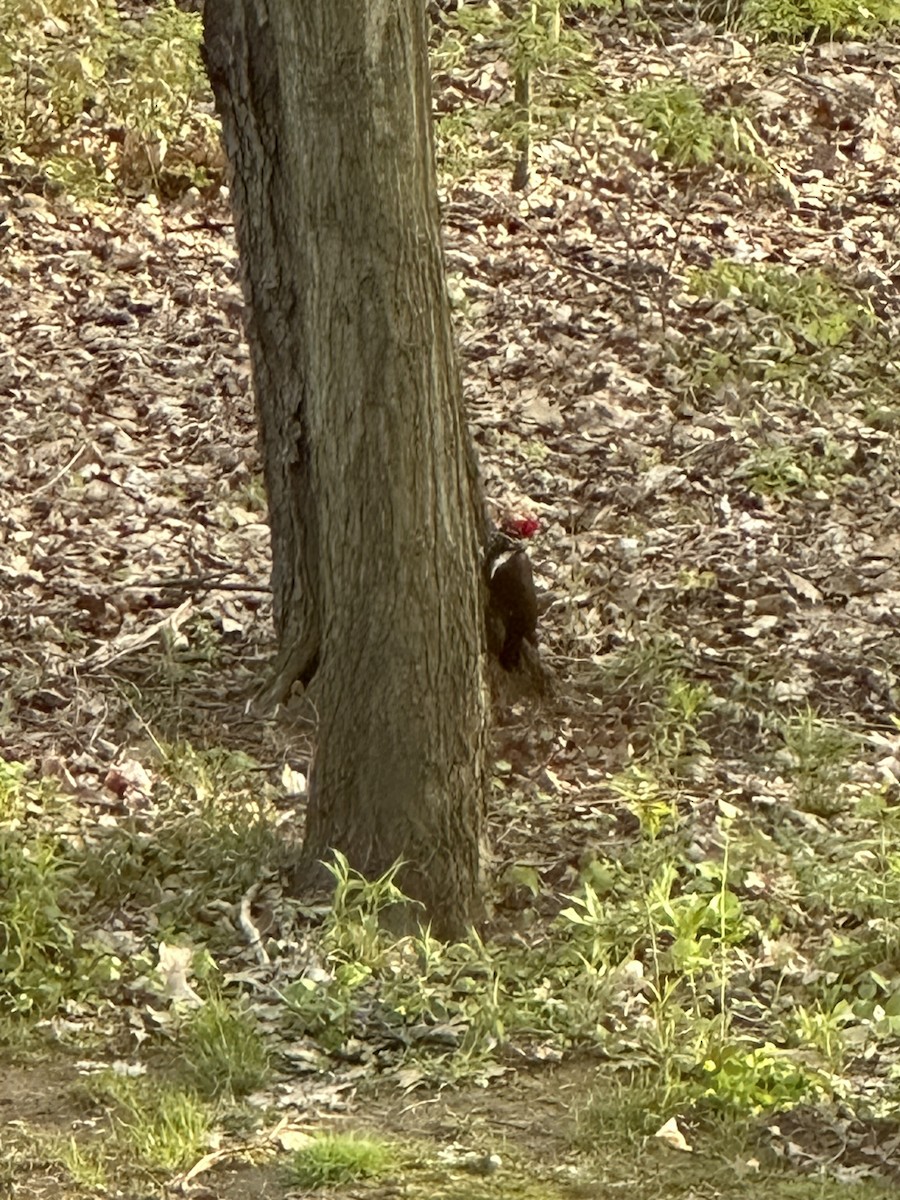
(12, 790)
(683, 131)
(762, 1079)
(793, 20)
(642, 669)
(790, 470)
(134, 94)
(42, 961)
(824, 1029)
(676, 742)
(643, 795)
(86, 1166)
(814, 307)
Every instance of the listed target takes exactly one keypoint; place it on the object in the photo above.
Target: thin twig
(211, 582)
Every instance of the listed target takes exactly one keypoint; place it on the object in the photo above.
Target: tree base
(531, 679)
(292, 665)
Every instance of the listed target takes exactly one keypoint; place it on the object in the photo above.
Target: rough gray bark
(374, 500)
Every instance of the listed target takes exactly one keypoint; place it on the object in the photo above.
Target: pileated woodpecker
(512, 609)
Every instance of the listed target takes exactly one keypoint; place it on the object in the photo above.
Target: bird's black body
(512, 600)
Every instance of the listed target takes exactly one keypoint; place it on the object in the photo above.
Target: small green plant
(694, 922)
(692, 580)
(250, 495)
(643, 796)
(554, 82)
(676, 743)
(356, 926)
(323, 1004)
(222, 1052)
(857, 881)
(682, 130)
(12, 776)
(587, 920)
(761, 1079)
(40, 963)
(44, 957)
(791, 470)
(669, 745)
(338, 1159)
(464, 989)
(792, 20)
(824, 1029)
(458, 140)
(643, 668)
(686, 919)
(72, 74)
(776, 471)
(205, 774)
(810, 303)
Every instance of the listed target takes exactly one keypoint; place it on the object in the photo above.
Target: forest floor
(679, 350)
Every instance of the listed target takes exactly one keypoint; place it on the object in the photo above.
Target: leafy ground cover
(679, 349)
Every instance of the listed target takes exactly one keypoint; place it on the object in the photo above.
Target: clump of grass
(643, 668)
(338, 1159)
(86, 1165)
(818, 753)
(45, 959)
(164, 1127)
(625, 1107)
(222, 1052)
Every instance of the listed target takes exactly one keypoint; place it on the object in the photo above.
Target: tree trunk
(373, 494)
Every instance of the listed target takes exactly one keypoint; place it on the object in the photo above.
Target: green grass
(622, 1128)
(222, 1052)
(163, 1126)
(47, 957)
(86, 1166)
(335, 1160)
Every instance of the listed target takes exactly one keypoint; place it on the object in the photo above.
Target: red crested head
(521, 527)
